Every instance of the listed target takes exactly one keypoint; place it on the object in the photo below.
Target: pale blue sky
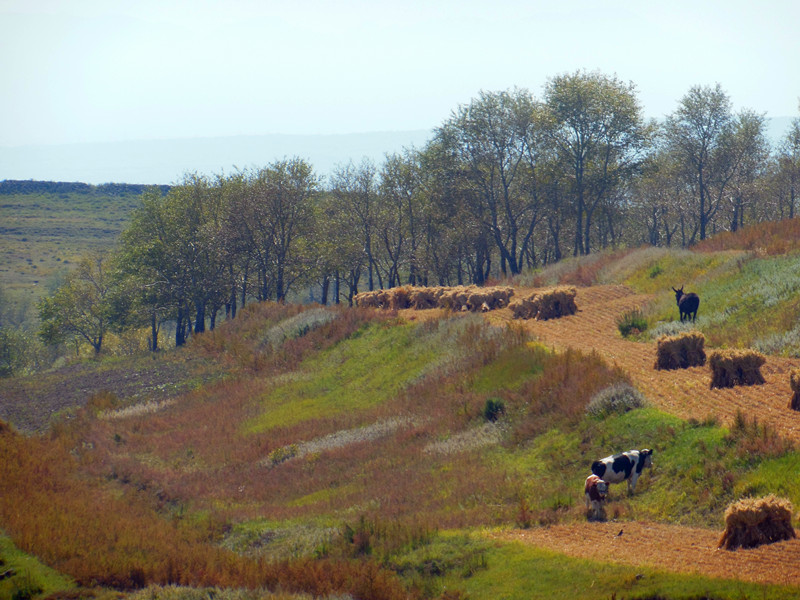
(105, 70)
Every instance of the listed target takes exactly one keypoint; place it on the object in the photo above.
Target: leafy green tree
(749, 153)
(658, 201)
(80, 307)
(16, 345)
(354, 188)
(788, 157)
(456, 245)
(602, 137)
(340, 253)
(716, 149)
(291, 190)
(496, 139)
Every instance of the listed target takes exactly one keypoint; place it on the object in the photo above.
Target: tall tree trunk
(180, 329)
(200, 318)
(153, 332)
(326, 283)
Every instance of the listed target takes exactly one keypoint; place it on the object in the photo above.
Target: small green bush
(493, 409)
(616, 399)
(632, 322)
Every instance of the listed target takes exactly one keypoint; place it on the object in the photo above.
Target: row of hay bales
(729, 368)
(750, 522)
(546, 304)
(458, 298)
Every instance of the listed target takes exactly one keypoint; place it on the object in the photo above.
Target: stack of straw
(755, 521)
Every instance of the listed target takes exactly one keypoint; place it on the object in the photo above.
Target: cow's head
(646, 457)
(602, 488)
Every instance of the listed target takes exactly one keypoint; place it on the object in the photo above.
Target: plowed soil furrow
(685, 392)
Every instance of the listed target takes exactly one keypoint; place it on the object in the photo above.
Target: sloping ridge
(685, 393)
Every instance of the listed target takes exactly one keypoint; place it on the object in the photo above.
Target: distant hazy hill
(165, 161)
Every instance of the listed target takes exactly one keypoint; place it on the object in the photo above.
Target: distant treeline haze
(507, 183)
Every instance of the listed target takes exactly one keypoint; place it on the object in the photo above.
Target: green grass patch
(514, 571)
(659, 271)
(32, 579)
(510, 368)
(698, 468)
(358, 374)
(744, 300)
(773, 476)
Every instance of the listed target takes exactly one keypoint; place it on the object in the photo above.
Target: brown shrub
(681, 351)
(548, 304)
(755, 521)
(794, 382)
(735, 367)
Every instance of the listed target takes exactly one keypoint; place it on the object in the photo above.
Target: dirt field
(665, 547)
(685, 393)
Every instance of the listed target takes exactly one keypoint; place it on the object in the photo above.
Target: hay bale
(524, 308)
(755, 521)
(794, 382)
(476, 299)
(555, 303)
(455, 298)
(547, 304)
(499, 297)
(681, 351)
(422, 298)
(400, 298)
(367, 300)
(735, 367)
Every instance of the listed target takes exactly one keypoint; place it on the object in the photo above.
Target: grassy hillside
(365, 454)
(352, 442)
(748, 283)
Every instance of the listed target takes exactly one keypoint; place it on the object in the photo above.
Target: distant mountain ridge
(165, 161)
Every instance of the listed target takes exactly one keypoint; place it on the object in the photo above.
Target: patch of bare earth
(31, 403)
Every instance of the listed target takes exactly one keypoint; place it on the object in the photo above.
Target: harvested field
(666, 547)
(685, 392)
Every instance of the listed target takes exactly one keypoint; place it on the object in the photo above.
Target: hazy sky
(107, 70)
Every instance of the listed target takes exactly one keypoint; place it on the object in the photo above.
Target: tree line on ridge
(507, 183)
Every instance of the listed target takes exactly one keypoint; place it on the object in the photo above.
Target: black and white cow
(628, 465)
